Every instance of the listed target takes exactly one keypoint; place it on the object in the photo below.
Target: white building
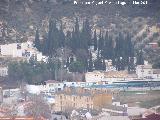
(53, 85)
(3, 71)
(146, 71)
(109, 66)
(25, 50)
(95, 76)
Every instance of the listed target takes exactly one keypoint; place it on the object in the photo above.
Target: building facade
(95, 76)
(146, 71)
(21, 50)
(3, 71)
(75, 98)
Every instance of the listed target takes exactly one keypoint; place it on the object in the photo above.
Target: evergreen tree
(118, 65)
(103, 65)
(68, 38)
(85, 35)
(140, 58)
(100, 41)
(67, 63)
(53, 41)
(61, 36)
(107, 50)
(77, 66)
(131, 65)
(75, 41)
(37, 41)
(119, 46)
(95, 40)
(90, 63)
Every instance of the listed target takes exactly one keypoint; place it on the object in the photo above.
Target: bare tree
(38, 107)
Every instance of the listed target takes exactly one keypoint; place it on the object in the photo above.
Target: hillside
(19, 19)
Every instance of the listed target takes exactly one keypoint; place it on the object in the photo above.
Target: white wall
(11, 50)
(143, 72)
(3, 71)
(94, 76)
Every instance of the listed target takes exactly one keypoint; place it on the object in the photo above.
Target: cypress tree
(86, 35)
(68, 38)
(95, 40)
(90, 63)
(103, 65)
(100, 41)
(37, 41)
(76, 43)
(140, 58)
(131, 65)
(61, 36)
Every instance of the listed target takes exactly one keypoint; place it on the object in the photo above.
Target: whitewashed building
(146, 71)
(95, 76)
(24, 50)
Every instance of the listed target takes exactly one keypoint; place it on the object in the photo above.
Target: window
(74, 99)
(18, 46)
(87, 99)
(87, 106)
(60, 97)
(74, 105)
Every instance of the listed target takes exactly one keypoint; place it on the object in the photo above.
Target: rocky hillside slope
(20, 18)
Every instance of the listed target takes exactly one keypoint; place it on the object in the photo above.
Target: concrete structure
(3, 71)
(75, 98)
